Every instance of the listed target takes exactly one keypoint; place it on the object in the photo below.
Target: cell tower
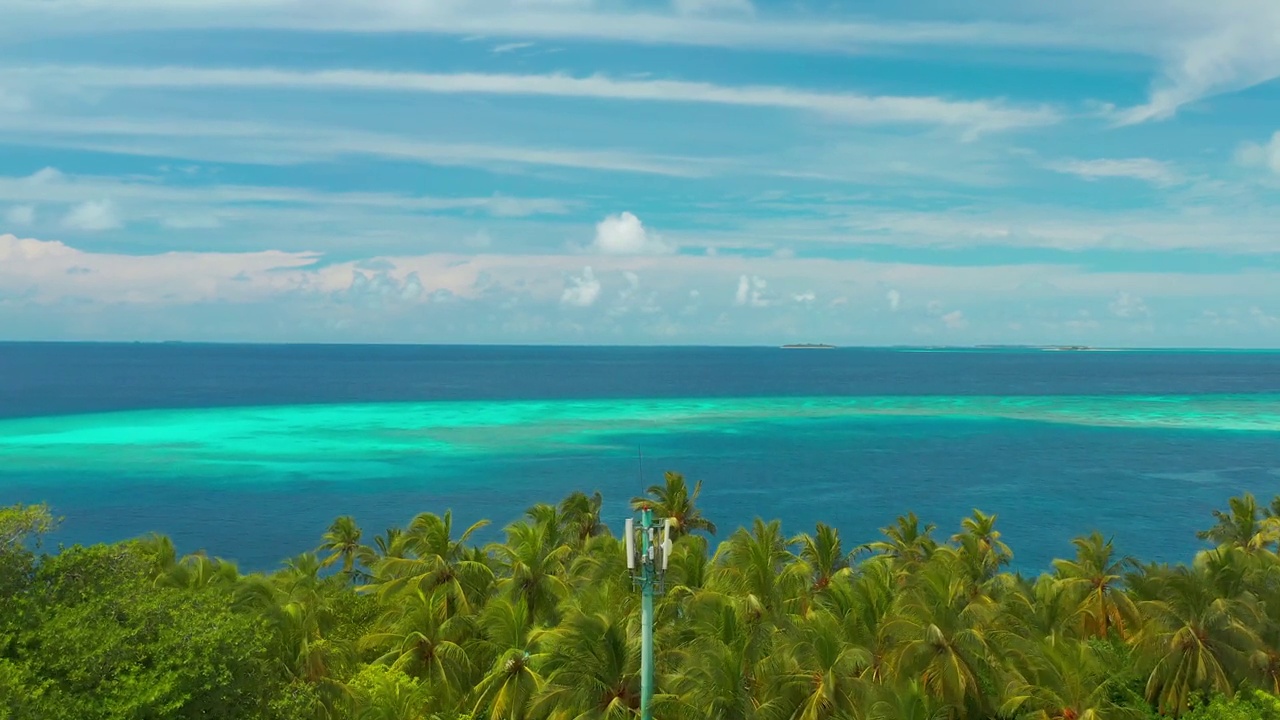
(648, 568)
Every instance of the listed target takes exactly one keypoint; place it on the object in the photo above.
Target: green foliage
(21, 524)
(421, 624)
(1247, 705)
(99, 639)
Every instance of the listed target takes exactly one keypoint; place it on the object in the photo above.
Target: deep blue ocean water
(1149, 486)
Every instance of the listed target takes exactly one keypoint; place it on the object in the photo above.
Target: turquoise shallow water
(250, 451)
(353, 441)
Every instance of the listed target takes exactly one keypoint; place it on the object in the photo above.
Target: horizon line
(1048, 347)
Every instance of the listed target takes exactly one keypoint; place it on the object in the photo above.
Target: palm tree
(725, 668)
(753, 568)
(980, 540)
(534, 564)
(822, 557)
(906, 701)
(906, 541)
(1065, 681)
(826, 667)
(580, 514)
(1197, 639)
(342, 542)
(513, 681)
(1094, 578)
(943, 633)
(416, 635)
(673, 500)
(297, 606)
(592, 669)
(199, 571)
(1242, 526)
(431, 558)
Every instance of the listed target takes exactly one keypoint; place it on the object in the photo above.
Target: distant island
(808, 346)
(1034, 347)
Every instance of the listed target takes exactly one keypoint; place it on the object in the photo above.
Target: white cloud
(288, 144)
(805, 298)
(51, 186)
(60, 272)
(1145, 169)
(623, 234)
(54, 290)
(93, 215)
(1208, 49)
(1128, 306)
(895, 299)
(751, 292)
(1264, 318)
(955, 320)
(45, 176)
(972, 115)
(1219, 228)
(20, 215)
(522, 19)
(581, 290)
(510, 47)
(1261, 155)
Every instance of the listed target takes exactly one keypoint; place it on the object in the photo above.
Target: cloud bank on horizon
(641, 171)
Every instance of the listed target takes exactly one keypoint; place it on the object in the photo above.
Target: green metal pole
(648, 575)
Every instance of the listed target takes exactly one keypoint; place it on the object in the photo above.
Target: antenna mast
(648, 568)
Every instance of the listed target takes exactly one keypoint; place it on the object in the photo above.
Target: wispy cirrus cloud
(1156, 172)
(974, 115)
(49, 185)
(265, 143)
(566, 21)
(1201, 49)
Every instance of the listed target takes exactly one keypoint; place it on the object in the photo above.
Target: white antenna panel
(631, 544)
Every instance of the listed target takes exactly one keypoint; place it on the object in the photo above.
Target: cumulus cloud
(955, 320)
(581, 290)
(1127, 306)
(58, 272)
(1264, 155)
(805, 298)
(623, 234)
(895, 299)
(93, 215)
(20, 215)
(751, 292)
(381, 288)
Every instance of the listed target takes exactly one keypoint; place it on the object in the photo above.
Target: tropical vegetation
(426, 622)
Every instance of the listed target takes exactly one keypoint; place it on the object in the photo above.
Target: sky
(1099, 172)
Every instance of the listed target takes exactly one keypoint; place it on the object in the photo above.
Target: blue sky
(618, 171)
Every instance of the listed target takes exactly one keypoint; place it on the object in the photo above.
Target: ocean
(249, 451)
